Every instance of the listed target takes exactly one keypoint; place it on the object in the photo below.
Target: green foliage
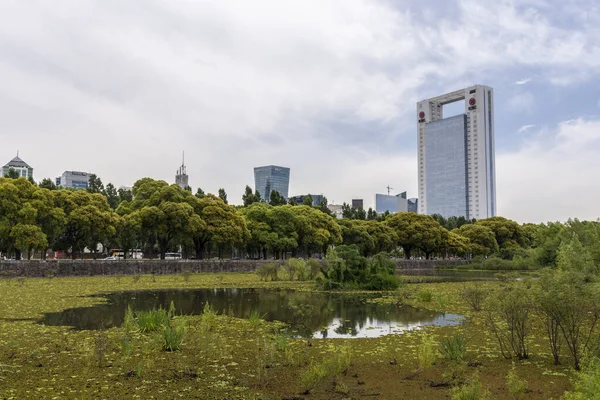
(334, 363)
(472, 390)
(186, 275)
(152, 321)
(572, 256)
(417, 231)
(173, 334)
(426, 351)
(255, 317)
(454, 348)
(295, 267)
(223, 195)
(346, 268)
(587, 382)
(516, 386)
(425, 296)
(268, 271)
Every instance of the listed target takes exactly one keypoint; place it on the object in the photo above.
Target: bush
(268, 271)
(295, 267)
(474, 296)
(454, 348)
(314, 267)
(509, 317)
(346, 268)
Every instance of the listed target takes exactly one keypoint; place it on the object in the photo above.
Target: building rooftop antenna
(388, 189)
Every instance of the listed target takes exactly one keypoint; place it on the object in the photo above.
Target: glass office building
(272, 177)
(446, 168)
(457, 174)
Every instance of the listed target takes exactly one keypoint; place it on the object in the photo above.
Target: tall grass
(454, 348)
(173, 335)
(332, 365)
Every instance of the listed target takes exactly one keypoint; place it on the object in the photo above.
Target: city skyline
(110, 87)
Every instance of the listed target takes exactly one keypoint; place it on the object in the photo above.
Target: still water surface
(318, 315)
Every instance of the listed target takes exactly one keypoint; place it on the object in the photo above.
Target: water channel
(309, 314)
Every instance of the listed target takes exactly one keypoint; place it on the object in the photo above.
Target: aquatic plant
(425, 296)
(472, 390)
(334, 363)
(454, 348)
(173, 334)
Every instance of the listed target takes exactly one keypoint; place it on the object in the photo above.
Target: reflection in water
(452, 275)
(320, 315)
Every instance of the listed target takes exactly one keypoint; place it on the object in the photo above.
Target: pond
(318, 315)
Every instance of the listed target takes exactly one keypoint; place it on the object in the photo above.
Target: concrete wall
(158, 267)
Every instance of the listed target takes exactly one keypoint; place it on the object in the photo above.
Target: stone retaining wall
(159, 267)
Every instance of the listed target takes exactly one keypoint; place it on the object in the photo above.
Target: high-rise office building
(73, 179)
(269, 178)
(456, 155)
(181, 177)
(21, 167)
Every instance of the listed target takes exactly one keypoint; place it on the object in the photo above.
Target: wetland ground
(225, 355)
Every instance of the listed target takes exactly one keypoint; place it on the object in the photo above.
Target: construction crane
(388, 189)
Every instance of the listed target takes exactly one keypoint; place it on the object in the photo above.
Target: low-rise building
(21, 167)
(73, 180)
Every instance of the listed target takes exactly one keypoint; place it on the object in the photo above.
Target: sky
(326, 88)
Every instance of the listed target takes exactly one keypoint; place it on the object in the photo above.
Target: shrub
(268, 271)
(425, 296)
(454, 348)
(295, 266)
(472, 390)
(515, 385)
(346, 268)
(509, 320)
(474, 295)
(173, 335)
(314, 267)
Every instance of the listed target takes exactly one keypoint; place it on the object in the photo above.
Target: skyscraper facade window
(456, 155)
(272, 177)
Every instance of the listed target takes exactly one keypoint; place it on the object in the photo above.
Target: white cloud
(525, 128)
(523, 81)
(553, 175)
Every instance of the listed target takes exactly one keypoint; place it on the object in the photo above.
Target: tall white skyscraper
(456, 155)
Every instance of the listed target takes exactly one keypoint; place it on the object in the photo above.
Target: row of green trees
(159, 217)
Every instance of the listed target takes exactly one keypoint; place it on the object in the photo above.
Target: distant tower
(181, 178)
